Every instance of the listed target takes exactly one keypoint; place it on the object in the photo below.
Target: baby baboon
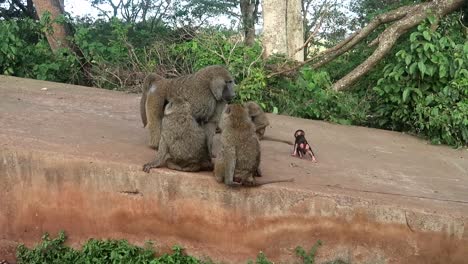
(206, 91)
(238, 160)
(260, 121)
(301, 146)
(183, 144)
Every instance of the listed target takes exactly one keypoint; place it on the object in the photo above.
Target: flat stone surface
(388, 177)
(105, 125)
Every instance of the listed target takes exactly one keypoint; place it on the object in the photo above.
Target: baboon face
(222, 84)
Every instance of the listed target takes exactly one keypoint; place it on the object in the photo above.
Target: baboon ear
(169, 108)
(217, 86)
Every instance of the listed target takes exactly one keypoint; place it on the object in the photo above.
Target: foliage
(53, 251)
(426, 90)
(311, 96)
(308, 257)
(25, 52)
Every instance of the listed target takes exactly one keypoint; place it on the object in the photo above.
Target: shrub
(426, 90)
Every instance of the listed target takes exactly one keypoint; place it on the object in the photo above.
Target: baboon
(206, 91)
(238, 160)
(260, 121)
(301, 146)
(183, 143)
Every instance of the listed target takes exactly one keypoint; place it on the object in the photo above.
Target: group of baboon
(194, 126)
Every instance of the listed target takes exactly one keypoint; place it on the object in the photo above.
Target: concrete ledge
(71, 157)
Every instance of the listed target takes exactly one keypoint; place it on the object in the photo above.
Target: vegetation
(420, 86)
(54, 251)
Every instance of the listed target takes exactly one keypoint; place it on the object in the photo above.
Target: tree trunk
(283, 28)
(58, 38)
(248, 11)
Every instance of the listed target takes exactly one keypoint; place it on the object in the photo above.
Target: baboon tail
(144, 93)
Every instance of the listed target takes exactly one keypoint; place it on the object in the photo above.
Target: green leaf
(408, 59)
(406, 93)
(429, 99)
(442, 71)
(422, 67)
(427, 35)
(412, 68)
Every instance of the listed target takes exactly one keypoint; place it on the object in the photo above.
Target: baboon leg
(161, 158)
(154, 112)
(219, 168)
(258, 173)
(229, 167)
(189, 167)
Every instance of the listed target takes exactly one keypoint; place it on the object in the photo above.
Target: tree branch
(404, 18)
(389, 36)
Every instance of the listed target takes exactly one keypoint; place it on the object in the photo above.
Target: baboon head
(176, 106)
(299, 132)
(253, 108)
(235, 116)
(221, 83)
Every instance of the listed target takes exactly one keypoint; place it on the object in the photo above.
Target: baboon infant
(206, 91)
(260, 121)
(238, 159)
(183, 141)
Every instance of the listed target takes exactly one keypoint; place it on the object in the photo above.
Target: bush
(53, 251)
(25, 52)
(310, 96)
(426, 90)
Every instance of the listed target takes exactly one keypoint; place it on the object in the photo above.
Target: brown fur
(238, 160)
(183, 144)
(206, 91)
(260, 120)
(239, 155)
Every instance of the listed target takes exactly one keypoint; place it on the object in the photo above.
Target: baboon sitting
(239, 157)
(183, 141)
(238, 160)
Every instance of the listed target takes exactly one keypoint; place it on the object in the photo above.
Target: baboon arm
(294, 152)
(229, 167)
(211, 126)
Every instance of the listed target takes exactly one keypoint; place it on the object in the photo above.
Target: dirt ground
(383, 167)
